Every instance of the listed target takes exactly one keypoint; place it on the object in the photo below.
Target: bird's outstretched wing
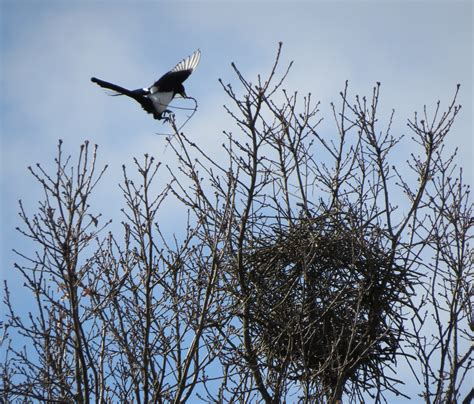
(189, 63)
(178, 74)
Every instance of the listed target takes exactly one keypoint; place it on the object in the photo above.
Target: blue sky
(419, 51)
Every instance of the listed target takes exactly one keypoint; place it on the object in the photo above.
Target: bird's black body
(156, 98)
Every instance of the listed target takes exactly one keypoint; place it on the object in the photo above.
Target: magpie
(155, 99)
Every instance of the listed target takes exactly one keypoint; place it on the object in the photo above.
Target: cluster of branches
(311, 266)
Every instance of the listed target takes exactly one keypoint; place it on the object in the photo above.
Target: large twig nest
(324, 297)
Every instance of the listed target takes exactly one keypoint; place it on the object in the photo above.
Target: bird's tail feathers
(117, 90)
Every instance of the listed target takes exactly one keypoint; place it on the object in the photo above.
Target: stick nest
(325, 297)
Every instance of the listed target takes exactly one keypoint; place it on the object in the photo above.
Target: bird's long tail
(119, 90)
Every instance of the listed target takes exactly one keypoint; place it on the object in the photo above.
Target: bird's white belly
(160, 100)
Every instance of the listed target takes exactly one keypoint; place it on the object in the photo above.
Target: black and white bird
(155, 99)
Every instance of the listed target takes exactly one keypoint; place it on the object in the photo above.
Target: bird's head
(180, 90)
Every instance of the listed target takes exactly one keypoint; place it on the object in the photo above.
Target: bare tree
(312, 265)
(443, 319)
(123, 321)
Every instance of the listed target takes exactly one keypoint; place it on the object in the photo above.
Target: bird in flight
(155, 99)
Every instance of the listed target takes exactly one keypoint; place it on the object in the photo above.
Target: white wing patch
(160, 100)
(189, 63)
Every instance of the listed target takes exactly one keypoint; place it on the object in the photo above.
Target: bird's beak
(183, 94)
